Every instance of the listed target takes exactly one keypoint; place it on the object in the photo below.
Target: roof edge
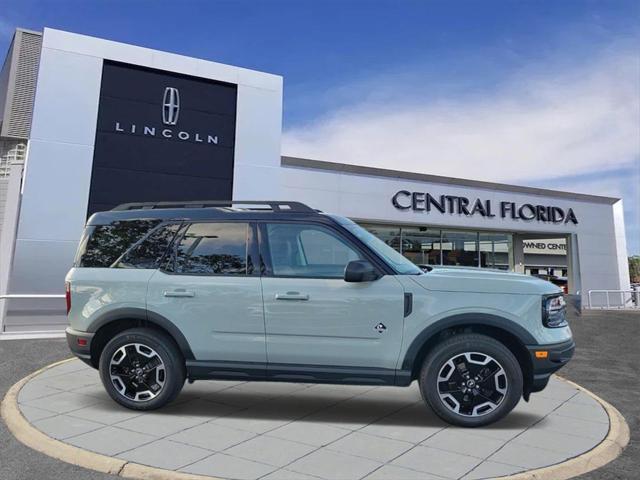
(26, 30)
(287, 161)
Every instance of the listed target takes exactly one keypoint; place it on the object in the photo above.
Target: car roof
(207, 210)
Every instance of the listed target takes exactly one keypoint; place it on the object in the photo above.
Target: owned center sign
(452, 204)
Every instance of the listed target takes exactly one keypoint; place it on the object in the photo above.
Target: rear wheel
(471, 380)
(142, 369)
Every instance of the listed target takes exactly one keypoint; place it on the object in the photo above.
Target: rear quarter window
(102, 245)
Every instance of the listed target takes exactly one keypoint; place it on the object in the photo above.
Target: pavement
(343, 426)
(260, 430)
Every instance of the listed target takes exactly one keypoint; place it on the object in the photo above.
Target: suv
(277, 291)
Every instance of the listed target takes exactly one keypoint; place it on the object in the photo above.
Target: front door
(316, 323)
(211, 292)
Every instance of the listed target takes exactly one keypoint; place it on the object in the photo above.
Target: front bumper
(80, 344)
(557, 356)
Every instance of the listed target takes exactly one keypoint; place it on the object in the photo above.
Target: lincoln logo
(170, 112)
(170, 106)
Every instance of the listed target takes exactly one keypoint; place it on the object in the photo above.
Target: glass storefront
(496, 250)
(421, 245)
(433, 246)
(460, 248)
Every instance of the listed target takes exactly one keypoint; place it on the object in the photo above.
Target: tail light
(67, 295)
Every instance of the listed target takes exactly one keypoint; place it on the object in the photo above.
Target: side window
(151, 250)
(103, 245)
(308, 251)
(213, 249)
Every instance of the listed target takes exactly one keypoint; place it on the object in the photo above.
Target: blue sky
(541, 93)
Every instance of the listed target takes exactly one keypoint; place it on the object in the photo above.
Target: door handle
(292, 296)
(179, 293)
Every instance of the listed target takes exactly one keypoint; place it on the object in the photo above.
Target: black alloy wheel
(142, 369)
(471, 380)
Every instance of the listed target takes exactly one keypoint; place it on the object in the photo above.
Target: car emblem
(380, 327)
(170, 106)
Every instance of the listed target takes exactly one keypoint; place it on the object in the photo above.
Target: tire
(142, 369)
(456, 380)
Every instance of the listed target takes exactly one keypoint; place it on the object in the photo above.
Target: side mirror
(360, 271)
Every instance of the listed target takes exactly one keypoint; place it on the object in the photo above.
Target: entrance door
(314, 319)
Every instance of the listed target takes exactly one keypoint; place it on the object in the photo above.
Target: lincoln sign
(451, 204)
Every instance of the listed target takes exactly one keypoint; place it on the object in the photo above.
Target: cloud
(571, 128)
(542, 121)
(621, 183)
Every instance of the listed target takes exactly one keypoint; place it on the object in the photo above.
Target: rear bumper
(80, 344)
(558, 355)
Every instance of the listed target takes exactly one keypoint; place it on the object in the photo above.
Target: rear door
(316, 321)
(211, 291)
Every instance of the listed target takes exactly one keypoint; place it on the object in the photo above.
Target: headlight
(554, 311)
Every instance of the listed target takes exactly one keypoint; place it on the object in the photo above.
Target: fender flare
(131, 313)
(463, 319)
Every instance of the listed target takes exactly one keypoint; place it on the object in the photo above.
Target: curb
(606, 451)
(36, 440)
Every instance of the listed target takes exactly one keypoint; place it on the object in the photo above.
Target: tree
(634, 268)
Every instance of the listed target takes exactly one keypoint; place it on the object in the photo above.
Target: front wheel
(471, 380)
(142, 369)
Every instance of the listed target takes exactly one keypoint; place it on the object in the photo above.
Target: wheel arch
(513, 336)
(110, 324)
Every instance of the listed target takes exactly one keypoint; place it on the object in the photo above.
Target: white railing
(30, 295)
(9, 296)
(623, 299)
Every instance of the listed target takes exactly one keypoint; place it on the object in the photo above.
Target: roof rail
(275, 206)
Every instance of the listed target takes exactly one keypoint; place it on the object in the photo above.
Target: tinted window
(308, 251)
(213, 248)
(107, 242)
(151, 250)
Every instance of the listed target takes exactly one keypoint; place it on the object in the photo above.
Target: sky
(538, 93)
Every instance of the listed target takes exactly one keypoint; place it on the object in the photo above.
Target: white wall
(59, 162)
(600, 231)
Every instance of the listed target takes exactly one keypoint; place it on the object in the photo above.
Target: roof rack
(275, 206)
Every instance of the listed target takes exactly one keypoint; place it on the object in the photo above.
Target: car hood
(457, 279)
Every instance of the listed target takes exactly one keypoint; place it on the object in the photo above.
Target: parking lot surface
(251, 430)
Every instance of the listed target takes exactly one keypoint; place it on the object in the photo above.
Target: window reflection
(495, 249)
(108, 242)
(460, 248)
(389, 235)
(213, 248)
(421, 245)
(433, 246)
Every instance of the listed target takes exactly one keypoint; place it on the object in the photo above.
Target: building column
(518, 253)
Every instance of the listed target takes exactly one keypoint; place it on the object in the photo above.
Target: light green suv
(276, 291)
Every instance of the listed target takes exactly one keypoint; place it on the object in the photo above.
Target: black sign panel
(161, 136)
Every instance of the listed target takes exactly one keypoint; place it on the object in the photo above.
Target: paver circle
(283, 430)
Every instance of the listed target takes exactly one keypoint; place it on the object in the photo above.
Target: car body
(286, 293)
(561, 282)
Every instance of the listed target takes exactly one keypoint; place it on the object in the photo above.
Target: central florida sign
(452, 204)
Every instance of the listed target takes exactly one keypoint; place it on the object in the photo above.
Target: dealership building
(87, 124)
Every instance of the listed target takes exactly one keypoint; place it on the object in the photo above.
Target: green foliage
(634, 268)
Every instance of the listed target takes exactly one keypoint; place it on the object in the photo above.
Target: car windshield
(399, 263)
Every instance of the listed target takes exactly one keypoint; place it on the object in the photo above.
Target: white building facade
(107, 123)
